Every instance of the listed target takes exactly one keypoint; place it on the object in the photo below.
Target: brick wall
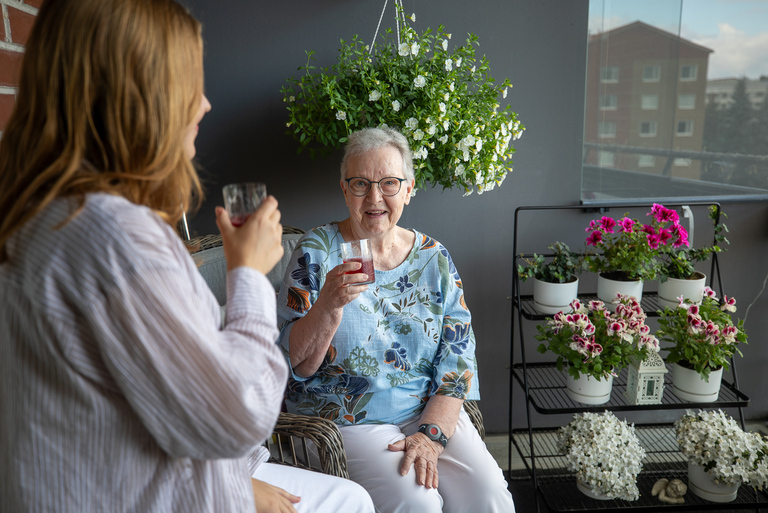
(18, 17)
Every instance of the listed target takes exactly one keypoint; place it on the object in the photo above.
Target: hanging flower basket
(442, 99)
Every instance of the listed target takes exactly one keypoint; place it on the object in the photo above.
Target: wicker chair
(312, 443)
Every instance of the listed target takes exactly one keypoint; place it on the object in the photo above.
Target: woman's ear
(409, 191)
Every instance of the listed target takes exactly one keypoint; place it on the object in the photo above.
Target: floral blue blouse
(408, 337)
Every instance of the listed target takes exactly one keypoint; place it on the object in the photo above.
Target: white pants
(320, 493)
(470, 480)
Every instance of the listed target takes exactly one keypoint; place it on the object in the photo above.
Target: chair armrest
(473, 410)
(323, 433)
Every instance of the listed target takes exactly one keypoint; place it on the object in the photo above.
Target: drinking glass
(359, 251)
(242, 199)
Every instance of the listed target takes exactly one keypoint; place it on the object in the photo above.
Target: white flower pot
(703, 485)
(590, 492)
(588, 390)
(673, 288)
(688, 385)
(551, 298)
(608, 288)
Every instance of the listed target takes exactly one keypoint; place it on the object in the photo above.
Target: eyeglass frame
(371, 182)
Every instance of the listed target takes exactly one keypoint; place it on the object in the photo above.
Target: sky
(736, 30)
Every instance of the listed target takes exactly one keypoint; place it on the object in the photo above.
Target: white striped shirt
(119, 391)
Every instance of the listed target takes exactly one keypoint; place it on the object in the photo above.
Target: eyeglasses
(388, 186)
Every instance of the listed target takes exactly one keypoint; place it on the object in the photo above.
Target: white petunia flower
(446, 124)
(374, 95)
(413, 17)
(446, 96)
(404, 50)
(441, 106)
(418, 135)
(448, 64)
(445, 44)
(504, 93)
(396, 105)
(415, 49)
(458, 62)
(451, 85)
(419, 81)
(292, 98)
(412, 123)
(443, 139)
(431, 130)
(459, 170)
(473, 69)
(341, 115)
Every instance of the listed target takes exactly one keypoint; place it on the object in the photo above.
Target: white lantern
(645, 383)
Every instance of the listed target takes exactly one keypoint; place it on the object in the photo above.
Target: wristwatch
(434, 433)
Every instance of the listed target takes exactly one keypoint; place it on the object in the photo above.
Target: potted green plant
(604, 453)
(593, 345)
(629, 250)
(721, 456)
(677, 275)
(555, 278)
(704, 338)
(442, 99)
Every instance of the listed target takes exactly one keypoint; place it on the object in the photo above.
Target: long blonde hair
(107, 92)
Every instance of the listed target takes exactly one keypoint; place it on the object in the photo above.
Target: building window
(606, 159)
(685, 128)
(686, 101)
(649, 102)
(606, 129)
(651, 73)
(682, 162)
(688, 72)
(648, 129)
(608, 102)
(609, 74)
(646, 161)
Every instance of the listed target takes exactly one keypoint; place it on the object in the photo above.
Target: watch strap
(434, 433)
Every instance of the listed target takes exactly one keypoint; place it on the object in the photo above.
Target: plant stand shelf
(544, 390)
(558, 485)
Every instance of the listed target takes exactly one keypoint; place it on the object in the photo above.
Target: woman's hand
(340, 288)
(423, 454)
(258, 242)
(271, 499)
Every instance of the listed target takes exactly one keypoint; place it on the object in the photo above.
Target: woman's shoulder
(426, 242)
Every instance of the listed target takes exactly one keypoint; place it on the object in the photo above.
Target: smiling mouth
(375, 213)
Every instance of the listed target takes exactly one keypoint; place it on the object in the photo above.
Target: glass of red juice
(359, 251)
(242, 199)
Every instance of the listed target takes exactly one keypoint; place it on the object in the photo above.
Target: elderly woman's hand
(422, 453)
(339, 288)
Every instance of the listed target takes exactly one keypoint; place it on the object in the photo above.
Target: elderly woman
(392, 362)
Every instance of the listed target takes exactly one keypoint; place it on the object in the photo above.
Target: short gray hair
(370, 139)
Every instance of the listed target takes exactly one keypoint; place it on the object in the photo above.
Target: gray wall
(252, 47)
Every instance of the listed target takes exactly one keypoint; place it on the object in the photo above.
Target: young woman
(119, 389)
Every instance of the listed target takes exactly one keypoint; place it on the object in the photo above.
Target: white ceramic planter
(702, 484)
(688, 385)
(588, 390)
(607, 290)
(590, 492)
(672, 289)
(551, 298)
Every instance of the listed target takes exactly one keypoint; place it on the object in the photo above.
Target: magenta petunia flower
(595, 238)
(608, 224)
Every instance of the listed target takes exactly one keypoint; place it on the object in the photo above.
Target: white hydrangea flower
(448, 64)
(419, 81)
(412, 123)
(396, 106)
(418, 135)
(404, 50)
(374, 95)
(445, 44)
(341, 115)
